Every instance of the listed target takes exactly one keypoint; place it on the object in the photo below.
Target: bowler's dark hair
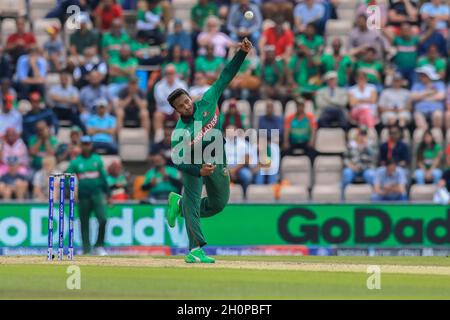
(175, 94)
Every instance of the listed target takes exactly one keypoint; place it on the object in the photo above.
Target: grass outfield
(229, 278)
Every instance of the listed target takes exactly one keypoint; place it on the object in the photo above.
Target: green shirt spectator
(373, 70)
(305, 76)
(270, 73)
(208, 65)
(111, 43)
(121, 63)
(406, 56)
(439, 64)
(314, 43)
(41, 147)
(162, 179)
(201, 11)
(343, 67)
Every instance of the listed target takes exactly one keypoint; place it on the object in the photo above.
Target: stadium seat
(326, 193)
(297, 170)
(236, 193)
(13, 6)
(133, 144)
(422, 193)
(358, 192)
(108, 159)
(243, 107)
(260, 193)
(63, 135)
(338, 27)
(418, 135)
(291, 107)
(294, 194)
(327, 170)
(371, 134)
(259, 109)
(330, 141)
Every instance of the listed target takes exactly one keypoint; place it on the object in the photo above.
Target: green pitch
(230, 278)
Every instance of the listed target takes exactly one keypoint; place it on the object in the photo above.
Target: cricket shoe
(174, 209)
(100, 251)
(198, 256)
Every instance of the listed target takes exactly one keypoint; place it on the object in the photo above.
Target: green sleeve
(211, 97)
(71, 167)
(103, 177)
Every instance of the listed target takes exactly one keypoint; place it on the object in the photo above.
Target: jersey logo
(210, 125)
(205, 114)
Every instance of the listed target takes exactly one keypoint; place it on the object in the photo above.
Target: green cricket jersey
(91, 175)
(207, 112)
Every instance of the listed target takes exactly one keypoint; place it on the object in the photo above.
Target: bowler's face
(184, 106)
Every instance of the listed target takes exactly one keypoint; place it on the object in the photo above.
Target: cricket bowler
(215, 176)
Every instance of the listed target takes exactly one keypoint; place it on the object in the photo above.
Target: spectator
(10, 117)
(112, 41)
(200, 86)
(149, 22)
(106, 13)
(372, 67)
(270, 121)
(69, 151)
(241, 158)
(212, 35)
(430, 36)
(428, 96)
(35, 115)
(400, 12)
(83, 38)
(366, 7)
(359, 161)
(117, 182)
(64, 100)
(361, 37)
(447, 113)
(181, 65)
(6, 68)
(30, 73)
(41, 145)
(394, 104)
(199, 14)
(121, 69)
(161, 179)
(20, 42)
(429, 156)
(163, 147)
(239, 26)
(210, 64)
(311, 39)
(91, 92)
(102, 127)
(300, 131)
(338, 61)
(406, 45)
(131, 108)
(331, 103)
(279, 38)
(91, 62)
(40, 179)
(272, 75)
(268, 155)
(303, 72)
(54, 51)
(309, 11)
(390, 183)
(438, 10)
(362, 99)
(12, 183)
(144, 53)
(7, 89)
(164, 111)
(432, 58)
(394, 149)
(13, 146)
(233, 117)
(180, 37)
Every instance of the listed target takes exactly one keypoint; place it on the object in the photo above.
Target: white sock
(193, 249)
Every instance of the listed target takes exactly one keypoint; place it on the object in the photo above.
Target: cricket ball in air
(248, 15)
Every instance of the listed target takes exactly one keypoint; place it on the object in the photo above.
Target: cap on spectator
(429, 71)
(178, 22)
(86, 139)
(299, 100)
(75, 129)
(13, 160)
(101, 102)
(83, 17)
(8, 100)
(53, 30)
(35, 96)
(330, 75)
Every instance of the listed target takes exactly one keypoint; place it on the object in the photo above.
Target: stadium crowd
(384, 89)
